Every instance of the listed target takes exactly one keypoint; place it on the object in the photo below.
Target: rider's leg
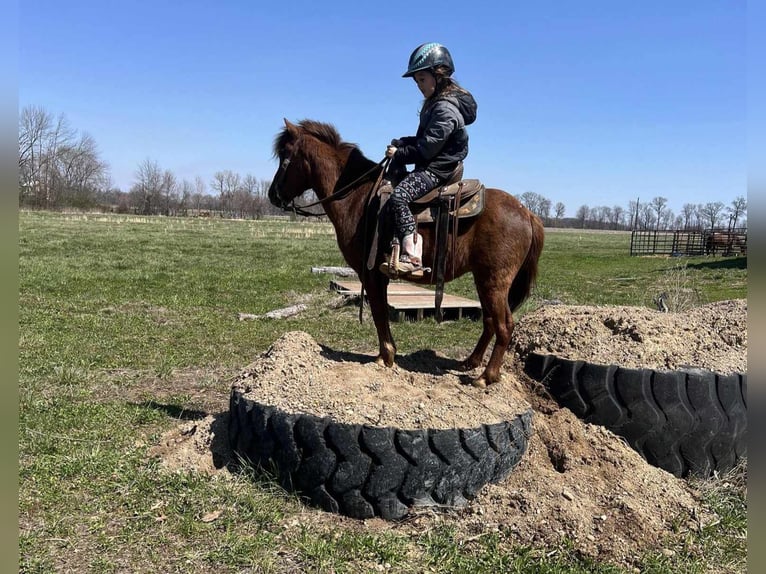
(415, 185)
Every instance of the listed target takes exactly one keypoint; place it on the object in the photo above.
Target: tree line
(654, 214)
(60, 167)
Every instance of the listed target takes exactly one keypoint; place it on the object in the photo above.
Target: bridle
(336, 195)
(345, 191)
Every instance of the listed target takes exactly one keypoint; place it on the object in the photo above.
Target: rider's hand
(390, 151)
(397, 143)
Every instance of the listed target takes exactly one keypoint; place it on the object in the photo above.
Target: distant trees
(654, 214)
(583, 212)
(536, 203)
(711, 213)
(736, 210)
(59, 167)
(558, 211)
(658, 205)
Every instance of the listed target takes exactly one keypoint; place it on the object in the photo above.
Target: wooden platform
(408, 301)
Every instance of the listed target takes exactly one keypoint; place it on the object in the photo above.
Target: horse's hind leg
(502, 321)
(476, 357)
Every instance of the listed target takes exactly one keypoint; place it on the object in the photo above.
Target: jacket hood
(465, 104)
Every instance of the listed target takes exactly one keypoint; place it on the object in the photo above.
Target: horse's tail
(527, 275)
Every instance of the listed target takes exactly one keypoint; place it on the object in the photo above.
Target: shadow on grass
(174, 411)
(724, 263)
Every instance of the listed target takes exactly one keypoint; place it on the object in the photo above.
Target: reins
(341, 193)
(336, 195)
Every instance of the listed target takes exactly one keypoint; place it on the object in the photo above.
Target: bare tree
(666, 219)
(81, 174)
(250, 184)
(658, 205)
(147, 189)
(168, 193)
(618, 214)
(225, 184)
(536, 203)
(688, 212)
(711, 212)
(34, 127)
(558, 210)
(582, 215)
(55, 167)
(646, 217)
(185, 199)
(530, 200)
(737, 209)
(699, 217)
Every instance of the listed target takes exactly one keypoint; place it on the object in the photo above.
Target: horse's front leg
(377, 295)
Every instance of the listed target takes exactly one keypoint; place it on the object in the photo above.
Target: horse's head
(291, 179)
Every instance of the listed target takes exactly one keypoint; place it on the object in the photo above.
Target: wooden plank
(407, 300)
(420, 302)
(393, 288)
(408, 294)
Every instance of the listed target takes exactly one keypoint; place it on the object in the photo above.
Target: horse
(501, 246)
(726, 242)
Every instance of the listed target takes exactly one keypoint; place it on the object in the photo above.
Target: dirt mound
(423, 390)
(712, 336)
(578, 483)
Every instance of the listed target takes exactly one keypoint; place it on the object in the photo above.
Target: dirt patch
(578, 484)
(201, 446)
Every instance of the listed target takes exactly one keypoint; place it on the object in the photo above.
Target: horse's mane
(321, 131)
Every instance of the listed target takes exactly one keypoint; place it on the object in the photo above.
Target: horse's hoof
(383, 362)
(480, 383)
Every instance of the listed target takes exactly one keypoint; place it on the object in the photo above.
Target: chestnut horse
(501, 246)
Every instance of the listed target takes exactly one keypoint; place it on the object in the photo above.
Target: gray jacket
(441, 140)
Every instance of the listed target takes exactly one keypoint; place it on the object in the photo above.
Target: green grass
(115, 312)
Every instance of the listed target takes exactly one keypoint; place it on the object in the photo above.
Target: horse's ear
(292, 128)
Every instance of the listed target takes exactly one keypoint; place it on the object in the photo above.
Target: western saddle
(443, 207)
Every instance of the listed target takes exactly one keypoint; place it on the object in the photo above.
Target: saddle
(464, 198)
(456, 199)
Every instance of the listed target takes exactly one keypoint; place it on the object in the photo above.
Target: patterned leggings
(415, 185)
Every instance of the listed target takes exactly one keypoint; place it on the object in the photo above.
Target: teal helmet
(428, 56)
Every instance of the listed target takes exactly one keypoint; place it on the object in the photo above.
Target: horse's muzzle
(274, 195)
(275, 189)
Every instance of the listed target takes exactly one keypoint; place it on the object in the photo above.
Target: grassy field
(126, 321)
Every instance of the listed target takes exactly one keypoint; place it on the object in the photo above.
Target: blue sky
(589, 102)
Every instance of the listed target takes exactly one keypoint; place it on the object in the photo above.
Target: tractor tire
(687, 422)
(362, 471)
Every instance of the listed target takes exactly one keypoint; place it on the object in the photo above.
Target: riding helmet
(428, 56)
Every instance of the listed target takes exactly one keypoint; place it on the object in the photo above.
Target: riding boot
(406, 261)
(412, 245)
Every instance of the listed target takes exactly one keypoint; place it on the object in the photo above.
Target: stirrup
(395, 267)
